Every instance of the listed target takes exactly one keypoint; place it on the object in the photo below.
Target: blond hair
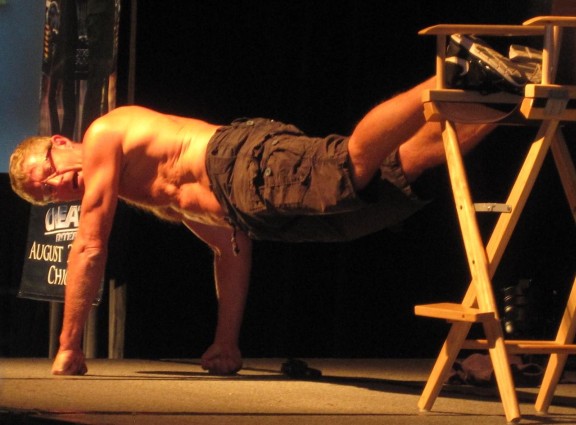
(19, 175)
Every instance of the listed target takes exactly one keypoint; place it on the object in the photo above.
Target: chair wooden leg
(566, 170)
(567, 329)
(518, 197)
(479, 268)
(557, 361)
(443, 365)
(550, 381)
(502, 372)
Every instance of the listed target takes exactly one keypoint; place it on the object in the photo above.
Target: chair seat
(472, 107)
(539, 102)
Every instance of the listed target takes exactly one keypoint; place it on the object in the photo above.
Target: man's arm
(87, 258)
(232, 276)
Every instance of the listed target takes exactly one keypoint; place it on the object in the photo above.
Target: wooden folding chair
(546, 104)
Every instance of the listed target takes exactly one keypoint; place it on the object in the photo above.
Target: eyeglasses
(49, 169)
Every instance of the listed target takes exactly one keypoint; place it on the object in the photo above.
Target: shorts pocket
(285, 175)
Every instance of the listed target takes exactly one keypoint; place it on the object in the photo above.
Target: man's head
(47, 169)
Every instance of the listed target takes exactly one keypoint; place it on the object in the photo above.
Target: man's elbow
(90, 251)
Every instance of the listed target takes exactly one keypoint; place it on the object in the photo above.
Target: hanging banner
(51, 232)
(78, 86)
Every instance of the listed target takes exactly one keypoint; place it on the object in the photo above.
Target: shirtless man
(169, 166)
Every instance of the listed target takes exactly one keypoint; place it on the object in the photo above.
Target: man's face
(55, 176)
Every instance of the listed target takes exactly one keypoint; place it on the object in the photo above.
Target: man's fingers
(221, 367)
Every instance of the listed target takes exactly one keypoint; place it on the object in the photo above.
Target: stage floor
(359, 391)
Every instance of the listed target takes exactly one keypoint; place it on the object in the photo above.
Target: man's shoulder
(104, 135)
(124, 114)
(129, 110)
(114, 124)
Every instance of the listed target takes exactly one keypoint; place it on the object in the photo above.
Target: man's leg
(399, 123)
(384, 129)
(425, 149)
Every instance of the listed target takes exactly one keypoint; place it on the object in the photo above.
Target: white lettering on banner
(56, 276)
(42, 252)
(65, 236)
(61, 218)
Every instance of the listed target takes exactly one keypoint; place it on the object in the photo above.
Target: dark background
(320, 65)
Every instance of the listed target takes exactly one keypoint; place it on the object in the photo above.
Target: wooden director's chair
(546, 104)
